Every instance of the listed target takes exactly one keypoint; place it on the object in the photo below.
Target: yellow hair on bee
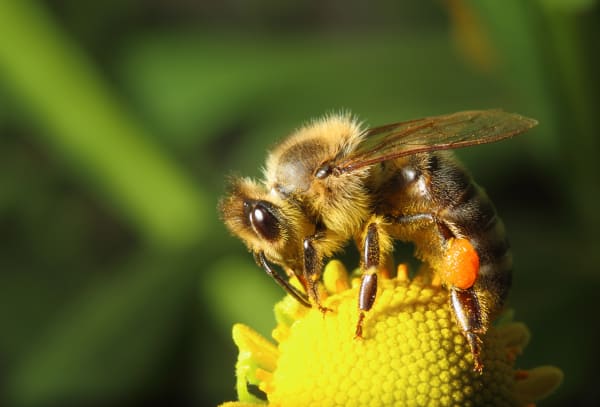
(291, 165)
(336, 133)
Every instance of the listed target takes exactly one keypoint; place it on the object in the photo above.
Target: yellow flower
(411, 354)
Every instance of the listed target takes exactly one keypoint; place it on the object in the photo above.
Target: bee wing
(432, 133)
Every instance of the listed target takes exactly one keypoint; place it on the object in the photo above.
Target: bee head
(263, 221)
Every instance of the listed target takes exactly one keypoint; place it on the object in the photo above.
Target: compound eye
(264, 222)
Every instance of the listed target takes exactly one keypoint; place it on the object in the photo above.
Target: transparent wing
(433, 133)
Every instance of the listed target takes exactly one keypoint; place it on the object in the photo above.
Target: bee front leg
(313, 266)
(262, 262)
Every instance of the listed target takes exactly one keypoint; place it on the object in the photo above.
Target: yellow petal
(538, 383)
(256, 354)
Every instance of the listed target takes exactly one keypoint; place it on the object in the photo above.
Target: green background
(119, 121)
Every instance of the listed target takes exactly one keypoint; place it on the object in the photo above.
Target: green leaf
(85, 122)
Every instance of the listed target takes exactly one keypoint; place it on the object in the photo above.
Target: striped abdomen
(465, 209)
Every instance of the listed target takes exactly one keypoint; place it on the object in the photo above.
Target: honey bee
(332, 181)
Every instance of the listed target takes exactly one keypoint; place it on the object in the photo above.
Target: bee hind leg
(465, 304)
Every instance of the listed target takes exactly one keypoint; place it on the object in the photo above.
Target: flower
(412, 353)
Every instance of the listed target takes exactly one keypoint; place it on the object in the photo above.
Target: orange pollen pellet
(461, 264)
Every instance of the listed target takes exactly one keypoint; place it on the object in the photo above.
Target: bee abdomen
(485, 230)
(468, 212)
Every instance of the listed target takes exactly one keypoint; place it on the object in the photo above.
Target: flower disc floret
(411, 353)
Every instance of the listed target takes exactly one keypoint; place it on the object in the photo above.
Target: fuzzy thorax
(340, 202)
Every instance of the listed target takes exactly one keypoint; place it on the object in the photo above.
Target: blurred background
(119, 121)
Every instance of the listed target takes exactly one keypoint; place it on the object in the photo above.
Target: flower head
(411, 354)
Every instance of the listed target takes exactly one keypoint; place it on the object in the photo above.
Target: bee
(333, 181)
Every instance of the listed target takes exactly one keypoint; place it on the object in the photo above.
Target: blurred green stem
(545, 59)
(575, 93)
(80, 117)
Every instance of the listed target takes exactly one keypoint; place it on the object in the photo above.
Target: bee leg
(312, 271)
(368, 283)
(290, 289)
(416, 218)
(468, 314)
